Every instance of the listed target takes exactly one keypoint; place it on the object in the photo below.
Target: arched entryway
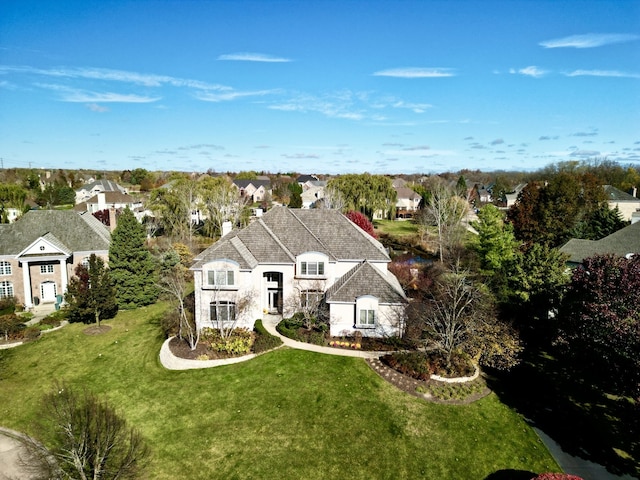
(273, 292)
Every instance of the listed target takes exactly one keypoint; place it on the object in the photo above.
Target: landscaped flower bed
(345, 344)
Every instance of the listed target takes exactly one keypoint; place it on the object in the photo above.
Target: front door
(273, 284)
(48, 292)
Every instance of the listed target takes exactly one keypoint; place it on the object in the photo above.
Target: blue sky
(318, 86)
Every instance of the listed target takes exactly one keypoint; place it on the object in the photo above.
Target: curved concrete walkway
(13, 456)
(171, 362)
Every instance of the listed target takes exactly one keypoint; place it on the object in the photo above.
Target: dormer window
(221, 278)
(312, 265)
(312, 269)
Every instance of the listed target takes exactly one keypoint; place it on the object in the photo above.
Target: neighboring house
(511, 198)
(256, 190)
(40, 251)
(87, 191)
(108, 200)
(626, 203)
(407, 202)
(303, 179)
(624, 242)
(293, 256)
(311, 195)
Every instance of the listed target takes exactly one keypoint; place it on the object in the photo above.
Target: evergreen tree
(90, 294)
(132, 266)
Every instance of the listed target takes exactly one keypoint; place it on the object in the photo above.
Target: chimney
(634, 191)
(226, 227)
(112, 219)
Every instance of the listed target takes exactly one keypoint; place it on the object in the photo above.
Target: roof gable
(365, 279)
(66, 229)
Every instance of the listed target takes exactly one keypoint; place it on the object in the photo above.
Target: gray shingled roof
(65, 228)
(616, 195)
(365, 279)
(622, 242)
(107, 186)
(282, 234)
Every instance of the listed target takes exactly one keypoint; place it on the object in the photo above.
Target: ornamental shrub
(264, 341)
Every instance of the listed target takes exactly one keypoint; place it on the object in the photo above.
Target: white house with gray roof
(40, 251)
(289, 257)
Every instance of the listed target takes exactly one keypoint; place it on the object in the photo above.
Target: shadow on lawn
(511, 475)
(568, 403)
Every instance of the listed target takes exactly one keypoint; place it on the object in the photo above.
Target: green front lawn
(286, 414)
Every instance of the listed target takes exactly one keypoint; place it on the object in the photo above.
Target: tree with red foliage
(600, 317)
(362, 221)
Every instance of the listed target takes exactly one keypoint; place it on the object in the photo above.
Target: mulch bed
(181, 349)
(409, 385)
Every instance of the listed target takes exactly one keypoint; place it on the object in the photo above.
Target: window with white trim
(311, 269)
(310, 299)
(85, 262)
(221, 278)
(6, 289)
(222, 313)
(5, 268)
(46, 268)
(366, 318)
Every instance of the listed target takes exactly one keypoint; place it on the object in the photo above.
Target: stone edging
(64, 323)
(438, 378)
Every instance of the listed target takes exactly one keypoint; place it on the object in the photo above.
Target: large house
(88, 191)
(290, 258)
(626, 203)
(256, 190)
(40, 251)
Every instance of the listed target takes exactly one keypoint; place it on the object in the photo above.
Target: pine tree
(132, 267)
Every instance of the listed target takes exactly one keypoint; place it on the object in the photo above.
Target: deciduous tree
(90, 295)
(362, 221)
(369, 194)
(85, 438)
(600, 317)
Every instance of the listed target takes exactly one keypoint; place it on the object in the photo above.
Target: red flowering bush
(556, 476)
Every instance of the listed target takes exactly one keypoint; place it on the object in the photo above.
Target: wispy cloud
(530, 71)
(602, 73)
(344, 104)
(253, 57)
(144, 79)
(590, 40)
(94, 107)
(74, 95)
(414, 107)
(416, 148)
(497, 141)
(300, 156)
(584, 153)
(592, 133)
(416, 72)
(231, 95)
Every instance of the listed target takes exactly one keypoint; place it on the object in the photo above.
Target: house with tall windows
(290, 260)
(40, 251)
